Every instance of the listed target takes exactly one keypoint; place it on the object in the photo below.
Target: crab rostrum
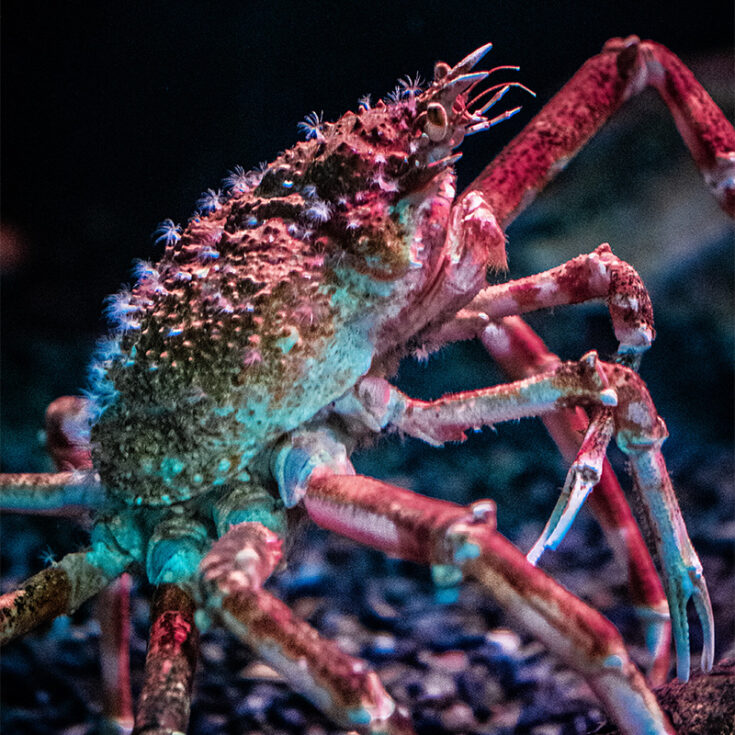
(245, 366)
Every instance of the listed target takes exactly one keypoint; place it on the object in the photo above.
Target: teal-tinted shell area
(223, 361)
(261, 312)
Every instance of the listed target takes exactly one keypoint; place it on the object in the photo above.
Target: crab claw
(583, 475)
(684, 581)
(682, 571)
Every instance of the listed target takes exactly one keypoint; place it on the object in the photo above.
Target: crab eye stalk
(436, 124)
(441, 69)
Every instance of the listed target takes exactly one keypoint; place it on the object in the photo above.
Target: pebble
(506, 642)
(291, 717)
(80, 729)
(458, 716)
(549, 728)
(211, 652)
(382, 645)
(349, 645)
(451, 662)
(438, 688)
(506, 715)
(480, 688)
(258, 671)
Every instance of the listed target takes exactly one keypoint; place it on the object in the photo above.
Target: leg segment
(592, 95)
(340, 685)
(377, 403)
(163, 707)
(58, 590)
(75, 488)
(67, 442)
(113, 613)
(640, 432)
(599, 275)
(57, 493)
(410, 526)
(584, 474)
(520, 352)
(67, 432)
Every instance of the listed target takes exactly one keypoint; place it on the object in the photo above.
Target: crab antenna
(504, 87)
(480, 127)
(444, 162)
(504, 67)
(470, 60)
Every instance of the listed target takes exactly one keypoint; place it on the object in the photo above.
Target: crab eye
(436, 122)
(441, 69)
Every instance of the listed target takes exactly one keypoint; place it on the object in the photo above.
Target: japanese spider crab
(250, 360)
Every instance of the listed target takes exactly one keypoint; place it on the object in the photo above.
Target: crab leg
(58, 590)
(51, 493)
(640, 432)
(583, 475)
(170, 661)
(75, 488)
(418, 528)
(67, 432)
(341, 686)
(67, 443)
(520, 352)
(378, 403)
(593, 276)
(596, 275)
(578, 110)
(113, 612)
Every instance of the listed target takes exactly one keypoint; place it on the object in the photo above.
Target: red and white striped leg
(173, 647)
(418, 528)
(342, 687)
(640, 432)
(376, 403)
(597, 275)
(113, 613)
(623, 68)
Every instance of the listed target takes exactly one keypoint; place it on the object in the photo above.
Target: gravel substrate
(453, 662)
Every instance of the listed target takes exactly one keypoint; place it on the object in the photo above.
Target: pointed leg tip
(536, 552)
(708, 660)
(683, 660)
(703, 607)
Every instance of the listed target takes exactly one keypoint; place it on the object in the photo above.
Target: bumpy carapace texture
(286, 281)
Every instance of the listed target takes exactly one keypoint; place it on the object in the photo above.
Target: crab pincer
(640, 432)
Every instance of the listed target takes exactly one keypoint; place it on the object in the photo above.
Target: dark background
(118, 115)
